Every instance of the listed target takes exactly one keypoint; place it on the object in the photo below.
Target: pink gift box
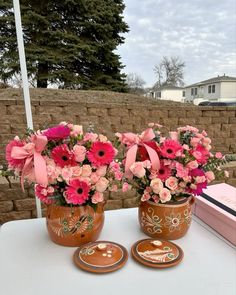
(217, 208)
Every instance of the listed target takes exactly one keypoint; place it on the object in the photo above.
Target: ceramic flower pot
(168, 221)
(74, 226)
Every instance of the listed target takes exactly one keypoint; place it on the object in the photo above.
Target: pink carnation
(44, 193)
(218, 155)
(181, 170)
(125, 187)
(13, 162)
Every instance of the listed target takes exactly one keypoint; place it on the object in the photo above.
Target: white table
(31, 264)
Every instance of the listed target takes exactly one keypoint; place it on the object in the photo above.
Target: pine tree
(67, 42)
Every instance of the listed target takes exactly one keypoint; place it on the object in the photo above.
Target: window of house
(195, 91)
(213, 88)
(159, 94)
(192, 91)
(209, 89)
(183, 93)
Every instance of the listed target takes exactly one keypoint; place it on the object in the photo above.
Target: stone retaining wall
(108, 112)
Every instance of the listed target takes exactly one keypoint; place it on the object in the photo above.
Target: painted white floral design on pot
(152, 222)
(173, 222)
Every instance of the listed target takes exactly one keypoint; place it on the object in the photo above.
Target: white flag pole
(24, 76)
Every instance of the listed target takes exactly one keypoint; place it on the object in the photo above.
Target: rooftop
(214, 80)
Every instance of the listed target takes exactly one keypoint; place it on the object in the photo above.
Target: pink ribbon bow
(146, 136)
(34, 161)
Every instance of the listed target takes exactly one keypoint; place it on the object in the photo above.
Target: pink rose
(165, 195)
(172, 183)
(80, 152)
(66, 173)
(210, 176)
(218, 155)
(156, 185)
(147, 164)
(137, 169)
(192, 165)
(102, 185)
(86, 171)
(76, 171)
(101, 171)
(145, 197)
(97, 198)
(76, 130)
(94, 177)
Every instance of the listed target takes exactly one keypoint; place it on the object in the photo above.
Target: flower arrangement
(69, 167)
(167, 168)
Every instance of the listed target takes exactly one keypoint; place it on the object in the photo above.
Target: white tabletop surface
(31, 264)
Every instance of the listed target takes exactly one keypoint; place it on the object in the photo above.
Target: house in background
(168, 92)
(221, 88)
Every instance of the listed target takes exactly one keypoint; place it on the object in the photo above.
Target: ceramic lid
(100, 256)
(157, 253)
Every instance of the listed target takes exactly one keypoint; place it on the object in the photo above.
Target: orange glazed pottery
(168, 221)
(74, 226)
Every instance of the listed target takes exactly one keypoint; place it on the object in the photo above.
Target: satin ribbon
(131, 155)
(31, 152)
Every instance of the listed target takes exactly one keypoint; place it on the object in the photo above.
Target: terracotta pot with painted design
(168, 221)
(74, 226)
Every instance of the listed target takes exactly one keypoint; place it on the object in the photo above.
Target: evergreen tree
(67, 42)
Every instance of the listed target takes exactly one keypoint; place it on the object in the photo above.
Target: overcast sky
(201, 32)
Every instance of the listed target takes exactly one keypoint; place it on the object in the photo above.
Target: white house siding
(228, 91)
(175, 95)
(212, 96)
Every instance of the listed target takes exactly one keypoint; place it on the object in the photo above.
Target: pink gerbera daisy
(77, 193)
(63, 156)
(57, 132)
(170, 149)
(163, 173)
(44, 193)
(101, 153)
(12, 162)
